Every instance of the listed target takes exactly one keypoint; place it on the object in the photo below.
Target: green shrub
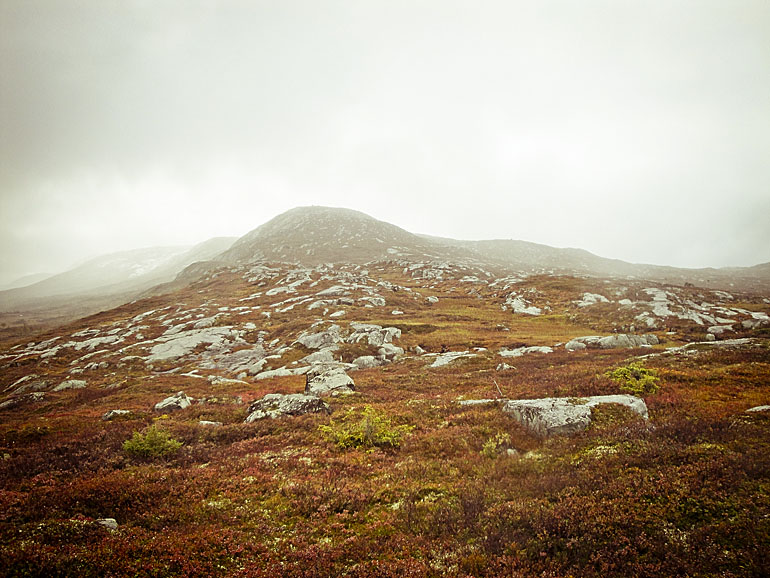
(368, 429)
(635, 379)
(493, 447)
(151, 444)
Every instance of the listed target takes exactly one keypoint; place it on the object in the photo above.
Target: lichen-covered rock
(565, 415)
(372, 334)
(113, 413)
(70, 384)
(176, 401)
(618, 341)
(322, 339)
(519, 351)
(323, 380)
(367, 362)
(275, 405)
(758, 408)
(109, 523)
(18, 400)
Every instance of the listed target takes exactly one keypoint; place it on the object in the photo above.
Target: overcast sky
(637, 130)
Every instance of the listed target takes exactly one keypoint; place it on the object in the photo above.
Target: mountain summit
(313, 235)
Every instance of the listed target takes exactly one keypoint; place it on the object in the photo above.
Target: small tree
(153, 443)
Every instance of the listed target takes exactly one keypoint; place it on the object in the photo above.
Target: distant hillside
(313, 235)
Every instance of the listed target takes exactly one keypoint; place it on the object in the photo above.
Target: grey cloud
(145, 123)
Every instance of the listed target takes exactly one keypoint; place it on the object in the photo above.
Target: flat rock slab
(565, 415)
(448, 357)
(322, 380)
(758, 409)
(176, 401)
(275, 405)
(619, 341)
(519, 351)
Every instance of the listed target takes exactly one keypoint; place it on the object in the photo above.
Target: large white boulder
(565, 415)
(177, 401)
(320, 381)
(275, 405)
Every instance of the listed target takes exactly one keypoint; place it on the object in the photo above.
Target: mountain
(313, 235)
(25, 281)
(101, 283)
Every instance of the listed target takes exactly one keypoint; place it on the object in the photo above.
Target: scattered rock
(322, 339)
(207, 423)
(183, 343)
(711, 337)
(176, 401)
(322, 381)
(591, 299)
(519, 351)
(432, 299)
(108, 523)
(18, 400)
(71, 384)
(443, 359)
(113, 413)
(759, 408)
(321, 356)
(396, 312)
(372, 334)
(275, 405)
(388, 352)
(503, 367)
(475, 402)
(366, 362)
(618, 341)
(564, 415)
(282, 372)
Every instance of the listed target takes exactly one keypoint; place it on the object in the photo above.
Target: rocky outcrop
(113, 413)
(519, 351)
(448, 357)
(175, 402)
(617, 341)
(275, 405)
(322, 339)
(183, 343)
(324, 380)
(758, 409)
(70, 384)
(372, 334)
(18, 400)
(565, 415)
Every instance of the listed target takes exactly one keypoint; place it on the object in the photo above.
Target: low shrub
(497, 445)
(635, 379)
(371, 429)
(153, 443)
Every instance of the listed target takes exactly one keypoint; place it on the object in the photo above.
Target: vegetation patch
(635, 379)
(367, 428)
(153, 443)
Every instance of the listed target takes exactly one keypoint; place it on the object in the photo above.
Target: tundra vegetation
(401, 479)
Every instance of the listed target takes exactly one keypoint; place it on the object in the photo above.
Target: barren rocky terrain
(334, 396)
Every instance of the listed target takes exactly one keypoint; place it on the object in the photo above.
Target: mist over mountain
(314, 235)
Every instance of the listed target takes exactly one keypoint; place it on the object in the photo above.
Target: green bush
(151, 444)
(365, 429)
(635, 379)
(495, 446)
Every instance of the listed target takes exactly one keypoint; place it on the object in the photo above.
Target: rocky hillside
(415, 415)
(314, 235)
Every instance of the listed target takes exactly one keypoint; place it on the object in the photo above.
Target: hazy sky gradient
(636, 130)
